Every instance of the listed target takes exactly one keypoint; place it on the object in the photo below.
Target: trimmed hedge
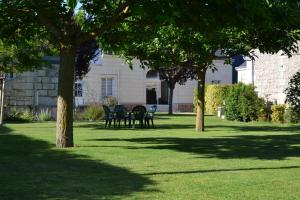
(242, 103)
(278, 112)
(214, 97)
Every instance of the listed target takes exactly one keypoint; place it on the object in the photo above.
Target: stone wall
(272, 74)
(32, 89)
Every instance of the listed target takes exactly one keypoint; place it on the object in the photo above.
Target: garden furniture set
(138, 114)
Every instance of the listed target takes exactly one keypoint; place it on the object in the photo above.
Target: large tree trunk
(64, 131)
(200, 100)
(171, 89)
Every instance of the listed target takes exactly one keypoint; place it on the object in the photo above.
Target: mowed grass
(231, 160)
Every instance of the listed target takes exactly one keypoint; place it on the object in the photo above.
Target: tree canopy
(269, 26)
(119, 23)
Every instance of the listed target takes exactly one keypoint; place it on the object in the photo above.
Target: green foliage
(265, 111)
(72, 4)
(22, 56)
(242, 103)
(293, 93)
(44, 115)
(93, 112)
(290, 116)
(27, 116)
(215, 96)
(19, 115)
(278, 113)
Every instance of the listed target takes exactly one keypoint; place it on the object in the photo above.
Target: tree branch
(119, 15)
(46, 22)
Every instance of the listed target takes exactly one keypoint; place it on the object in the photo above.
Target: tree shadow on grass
(220, 170)
(101, 126)
(251, 128)
(266, 147)
(33, 169)
(4, 130)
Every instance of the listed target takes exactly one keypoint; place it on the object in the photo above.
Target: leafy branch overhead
(173, 31)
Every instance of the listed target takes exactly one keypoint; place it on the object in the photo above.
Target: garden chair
(121, 113)
(137, 114)
(109, 116)
(149, 116)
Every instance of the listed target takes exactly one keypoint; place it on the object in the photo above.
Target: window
(78, 89)
(107, 87)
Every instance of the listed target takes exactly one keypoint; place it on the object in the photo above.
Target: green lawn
(230, 161)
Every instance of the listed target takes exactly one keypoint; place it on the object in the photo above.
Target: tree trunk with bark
(64, 131)
(171, 89)
(200, 100)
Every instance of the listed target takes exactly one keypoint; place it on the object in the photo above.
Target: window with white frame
(78, 89)
(107, 87)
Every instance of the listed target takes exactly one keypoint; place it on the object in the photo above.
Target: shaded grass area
(246, 146)
(231, 160)
(33, 169)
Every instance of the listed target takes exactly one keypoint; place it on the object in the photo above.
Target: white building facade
(140, 86)
(109, 77)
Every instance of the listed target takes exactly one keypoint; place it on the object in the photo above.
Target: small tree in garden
(293, 94)
(177, 50)
(175, 75)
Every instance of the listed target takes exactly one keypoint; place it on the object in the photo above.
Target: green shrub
(214, 97)
(278, 113)
(293, 93)
(44, 115)
(93, 112)
(13, 115)
(291, 116)
(18, 115)
(27, 116)
(265, 111)
(242, 103)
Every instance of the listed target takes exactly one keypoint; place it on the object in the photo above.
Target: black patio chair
(121, 113)
(149, 116)
(109, 116)
(137, 114)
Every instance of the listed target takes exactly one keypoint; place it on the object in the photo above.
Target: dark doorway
(151, 96)
(163, 100)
